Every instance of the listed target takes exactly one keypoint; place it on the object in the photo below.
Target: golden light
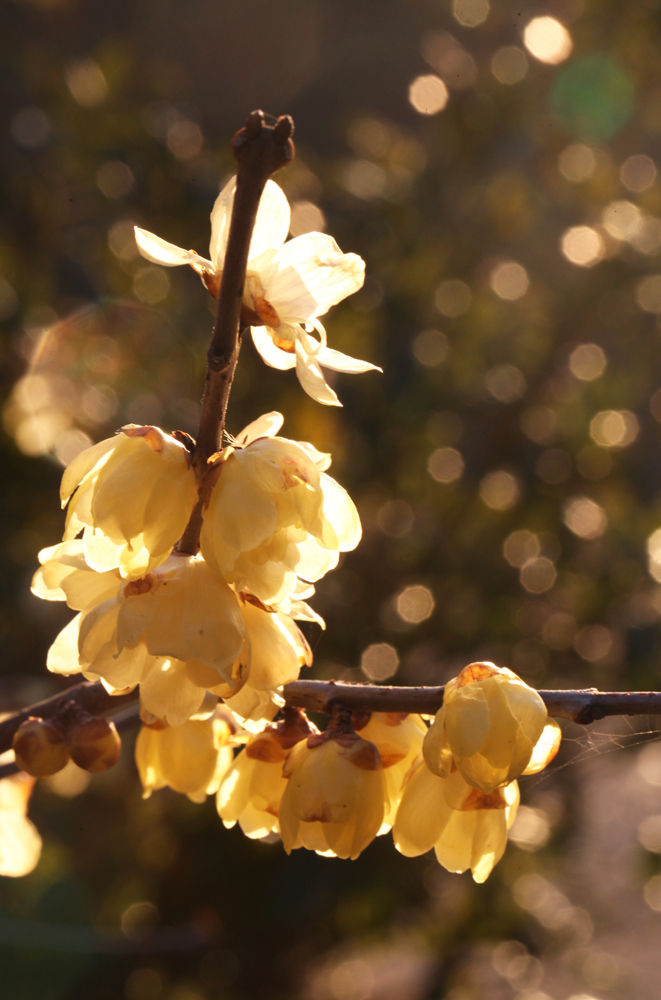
(584, 517)
(638, 173)
(428, 94)
(577, 163)
(648, 293)
(509, 280)
(531, 829)
(471, 13)
(582, 245)
(364, 179)
(654, 554)
(547, 40)
(621, 219)
(505, 383)
(453, 298)
(121, 240)
(614, 428)
(86, 83)
(539, 423)
(587, 362)
(445, 465)
(306, 217)
(647, 238)
(415, 604)
(520, 547)
(379, 661)
(509, 65)
(499, 490)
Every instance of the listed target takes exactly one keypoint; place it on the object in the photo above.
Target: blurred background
(496, 164)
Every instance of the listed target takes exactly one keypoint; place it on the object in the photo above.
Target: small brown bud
(94, 744)
(40, 747)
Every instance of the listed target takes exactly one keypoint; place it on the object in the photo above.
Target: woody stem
(259, 150)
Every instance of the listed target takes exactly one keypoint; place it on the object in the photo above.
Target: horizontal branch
(581, 706)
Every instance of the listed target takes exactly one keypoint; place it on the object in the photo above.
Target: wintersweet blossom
(270, 231)
(488, 727)
(132, 496)
(191, 759)
(20, 843)
(466, 827)
(274, 515)
(288, 286)
(287, 290)
(252, 788)
(398, 738)
(161, 632)
(335, 798)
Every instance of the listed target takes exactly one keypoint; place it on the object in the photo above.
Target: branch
(259, 151)
(581, 706)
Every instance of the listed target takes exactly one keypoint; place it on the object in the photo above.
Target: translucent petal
(312, 380)
(272, 355)
(339, 362)
(327, 274)
(546, 748)
(265, 426)
(161, 252)
(271, 225)
(422, 814)
(63, 654)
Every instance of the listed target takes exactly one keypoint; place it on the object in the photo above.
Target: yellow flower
(20, 843)
(252, 788)
(467, 828)
(488, 725)
(274, 515)
(170, 632)
(334, 802)
(398, 738)
(132, 495)
(191, 759)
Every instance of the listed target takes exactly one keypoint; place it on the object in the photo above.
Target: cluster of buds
(44, 746)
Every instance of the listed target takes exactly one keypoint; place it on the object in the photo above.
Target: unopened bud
(40, 747)
(94, 744)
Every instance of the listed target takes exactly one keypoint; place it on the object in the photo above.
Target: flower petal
(343, 363)
(327, 274)
(159, 251)
(265, 426)
(272, 355)
(271, 225)
(312, 380)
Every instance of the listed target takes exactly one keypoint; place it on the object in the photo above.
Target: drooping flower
(398, 738)
(252, 788)
(191, 759)
(274, 515)
(335, 798)
(20, 843)
(287, 290)
(270, 232)
(132, 495)
(488, 726)
(466, 827)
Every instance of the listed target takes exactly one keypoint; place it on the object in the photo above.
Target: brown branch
(581, 706)
(259, 150)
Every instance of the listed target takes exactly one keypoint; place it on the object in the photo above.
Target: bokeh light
(306, 217)
(506, 383)
(428, 94)
(614, 428)
(638, 172)
(582, 245)
(509, 280)
(453, 298)
(415, 604)
(499, 490)
(509, 64)
(621, 219)
(520, 547)
(471, 13)
(445, 465)
(584, 517)
(547, 40)
(538, 575)
(577, 163)
(379, 661)
(86, 82)
(587, 362)
(430, 348)
(648, 293)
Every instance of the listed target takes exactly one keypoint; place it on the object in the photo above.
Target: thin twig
(581, 706)
(259, 150)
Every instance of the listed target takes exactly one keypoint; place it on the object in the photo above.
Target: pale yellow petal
(161, 252)
(546, 748)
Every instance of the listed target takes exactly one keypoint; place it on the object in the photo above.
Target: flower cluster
(288, 287)
(368, 773)
(180, 626)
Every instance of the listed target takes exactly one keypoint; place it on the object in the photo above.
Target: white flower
(288, 287)
(271, 228)
(288, 290)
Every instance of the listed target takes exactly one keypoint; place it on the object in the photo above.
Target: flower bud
(40, 747)
(94, 744)
(488, 727)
